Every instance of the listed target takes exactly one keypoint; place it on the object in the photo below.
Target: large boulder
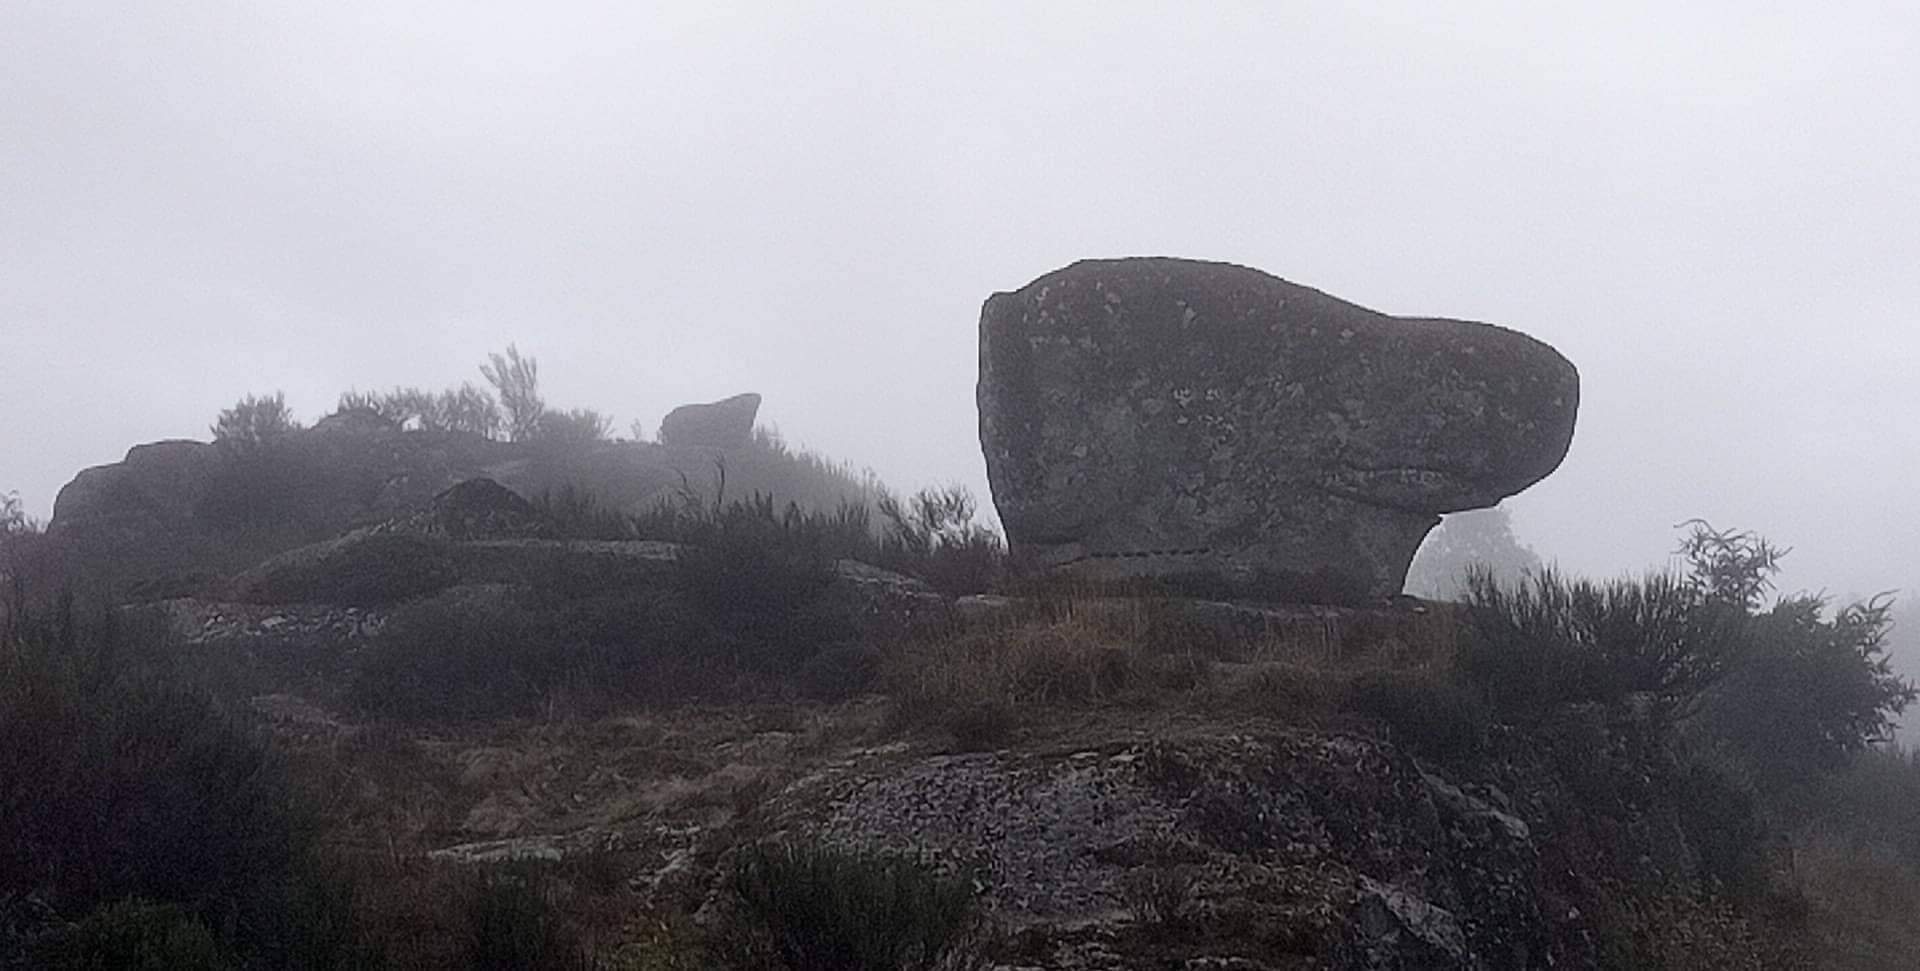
(1163, 417)
(727, 423)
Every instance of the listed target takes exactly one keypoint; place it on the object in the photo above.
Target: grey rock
(727, 423)
(1156, 417)
(481, 508)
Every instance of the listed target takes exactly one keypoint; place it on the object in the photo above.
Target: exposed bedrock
(1158, 417)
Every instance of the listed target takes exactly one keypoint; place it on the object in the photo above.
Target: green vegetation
(142, 821)
(820, 909)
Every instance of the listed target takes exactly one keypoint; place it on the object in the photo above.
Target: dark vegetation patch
(803, 907)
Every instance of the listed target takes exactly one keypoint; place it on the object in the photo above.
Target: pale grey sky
(1712, 209)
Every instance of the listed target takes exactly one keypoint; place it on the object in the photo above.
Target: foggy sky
(1714, 211)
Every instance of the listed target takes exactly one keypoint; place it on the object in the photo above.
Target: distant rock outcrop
(1159, 417)
(727, 423)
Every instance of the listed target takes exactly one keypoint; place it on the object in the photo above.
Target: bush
(465, 409)
(513, 922)
(1428, 713)
(255, 420)
(478, 654)
(1811, 693)
(932, 536)
(359, 570)
(117, 785)
(762, 577)
(1553, 641)
(821, 909)
(1723, 824)
(581, 426)
(137, 936)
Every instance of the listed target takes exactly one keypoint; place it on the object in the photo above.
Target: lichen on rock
(1155, 417)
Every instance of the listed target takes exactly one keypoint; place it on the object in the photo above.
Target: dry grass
(983, 682)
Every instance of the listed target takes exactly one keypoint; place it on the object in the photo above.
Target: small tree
(254, 420)
(517, 381)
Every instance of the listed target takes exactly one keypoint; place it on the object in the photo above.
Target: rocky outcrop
(174, 513)
(727, 423)
(1154, 417)
(1202, 851)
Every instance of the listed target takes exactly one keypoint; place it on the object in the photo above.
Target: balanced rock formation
(727, 423)
(1165, 417)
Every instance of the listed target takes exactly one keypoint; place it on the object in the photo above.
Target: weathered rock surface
(1282, 849)
(1152, 417)
(727, 423)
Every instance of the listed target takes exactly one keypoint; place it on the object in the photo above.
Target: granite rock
(727, 423)
(1166, 417)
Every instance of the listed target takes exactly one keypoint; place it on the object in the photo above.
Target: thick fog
(1712, 210)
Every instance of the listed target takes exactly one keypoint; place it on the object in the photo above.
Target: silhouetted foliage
(1551, 641)
(933, 536)
(822, 909)
(1731, 567)
(516, 380)
(1812, 691)
(581, 426)
(254, 420)
(465, 409)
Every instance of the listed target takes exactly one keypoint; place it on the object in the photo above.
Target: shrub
(1723, 824)
(1811, 692)
(254, 420)
(513, 922)
(1552, 641)
(116, 785)
(580, 426)
(465, 654)
(823, 909)
(1427, 712)
(465, 409)
(762, 578)
(361, 570)
(137, 936)
(932, 536)
(452, 657)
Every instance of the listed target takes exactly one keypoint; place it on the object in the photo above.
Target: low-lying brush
(118, 785)
(813, 908)
(1554, 641)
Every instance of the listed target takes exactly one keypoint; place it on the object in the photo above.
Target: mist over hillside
(718, 485)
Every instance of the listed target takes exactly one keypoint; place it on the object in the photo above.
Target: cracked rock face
(1154, 417)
